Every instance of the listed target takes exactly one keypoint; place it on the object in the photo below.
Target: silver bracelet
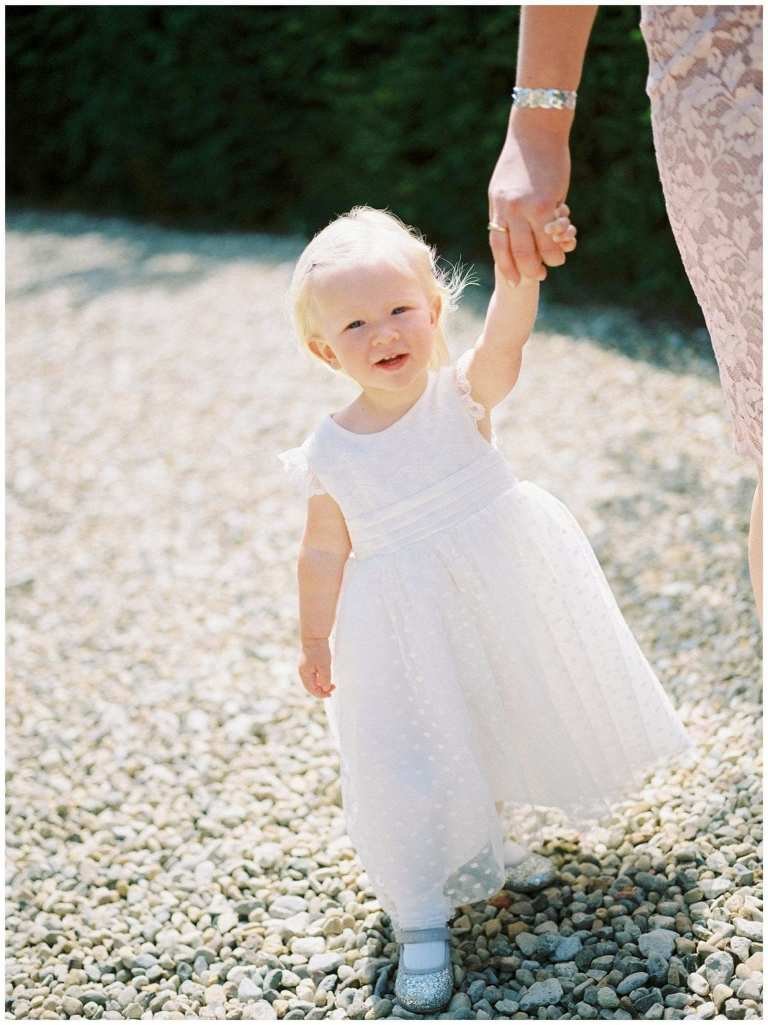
(553, 99)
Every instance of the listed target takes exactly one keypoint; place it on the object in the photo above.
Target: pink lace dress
(705, 85)
(478, 654)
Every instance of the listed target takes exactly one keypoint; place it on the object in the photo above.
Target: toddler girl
(454, 617)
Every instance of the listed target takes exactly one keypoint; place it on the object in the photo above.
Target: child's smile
(390, 363)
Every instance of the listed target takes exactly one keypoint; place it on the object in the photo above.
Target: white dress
(478, 654)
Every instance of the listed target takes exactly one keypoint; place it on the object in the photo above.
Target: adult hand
(529, 182)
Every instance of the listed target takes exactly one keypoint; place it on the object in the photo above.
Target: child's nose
(386, 334)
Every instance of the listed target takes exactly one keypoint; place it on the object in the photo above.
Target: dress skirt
(488, 661)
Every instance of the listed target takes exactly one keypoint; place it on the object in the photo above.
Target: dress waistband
(435, 508)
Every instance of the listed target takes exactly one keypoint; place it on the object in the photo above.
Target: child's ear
(436, 305)
(323, 351)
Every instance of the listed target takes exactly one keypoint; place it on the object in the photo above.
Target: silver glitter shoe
(531, 874)
(424, 989)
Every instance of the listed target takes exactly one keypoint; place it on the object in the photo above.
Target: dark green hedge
(277, 118)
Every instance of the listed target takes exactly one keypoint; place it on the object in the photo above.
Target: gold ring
(493, 226)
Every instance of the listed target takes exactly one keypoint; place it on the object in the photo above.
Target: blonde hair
(356, 237)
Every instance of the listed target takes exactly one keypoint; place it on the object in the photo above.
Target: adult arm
(533, 170)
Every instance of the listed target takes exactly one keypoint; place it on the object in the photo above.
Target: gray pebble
(274, 979)
(678, 1000)
(547, 944)
(506, 1007)
(649, 882)
(329, 962)
(740, 946)
(248, 989)
(548, 991)
(751, 988)
(606, 997)
(527, 942)
(698, 984)
(643, 998)
(734, 1010)
(287, 905)
(476, 990)
(657, 969)
(567, 948)
(91, 996)
(668, 907)
(659, 941)
(145, 961)
(718, 968)
(631, 982)
(706, 1011)
(751, 930)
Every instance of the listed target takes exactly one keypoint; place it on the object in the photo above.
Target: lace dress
(478, 654)
(705, 85)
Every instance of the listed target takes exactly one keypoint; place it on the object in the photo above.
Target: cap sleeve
(296, 465)
(464, 389)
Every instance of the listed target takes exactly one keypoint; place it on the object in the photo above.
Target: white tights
(430, 955)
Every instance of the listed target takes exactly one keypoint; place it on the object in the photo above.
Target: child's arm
(497, 355)
(324, 550)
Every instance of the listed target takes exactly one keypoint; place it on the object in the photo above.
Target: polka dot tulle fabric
(479, 655)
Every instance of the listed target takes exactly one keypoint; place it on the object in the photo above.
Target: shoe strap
(429, 935)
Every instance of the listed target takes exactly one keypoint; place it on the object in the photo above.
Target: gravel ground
(175, 841)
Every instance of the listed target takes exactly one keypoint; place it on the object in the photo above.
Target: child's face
(374, 311)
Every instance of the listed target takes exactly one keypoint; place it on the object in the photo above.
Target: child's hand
(315, 668)
(561, 229)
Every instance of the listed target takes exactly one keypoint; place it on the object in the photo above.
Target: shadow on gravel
(162, 258)
(174, 259)
(635, 334)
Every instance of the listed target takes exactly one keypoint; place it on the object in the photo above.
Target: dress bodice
(427, 469)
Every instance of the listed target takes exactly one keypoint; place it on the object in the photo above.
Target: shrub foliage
(278, 118)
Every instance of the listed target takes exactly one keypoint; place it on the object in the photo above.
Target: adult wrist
(540, 121)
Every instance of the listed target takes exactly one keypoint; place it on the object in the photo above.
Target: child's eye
(354, 323)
